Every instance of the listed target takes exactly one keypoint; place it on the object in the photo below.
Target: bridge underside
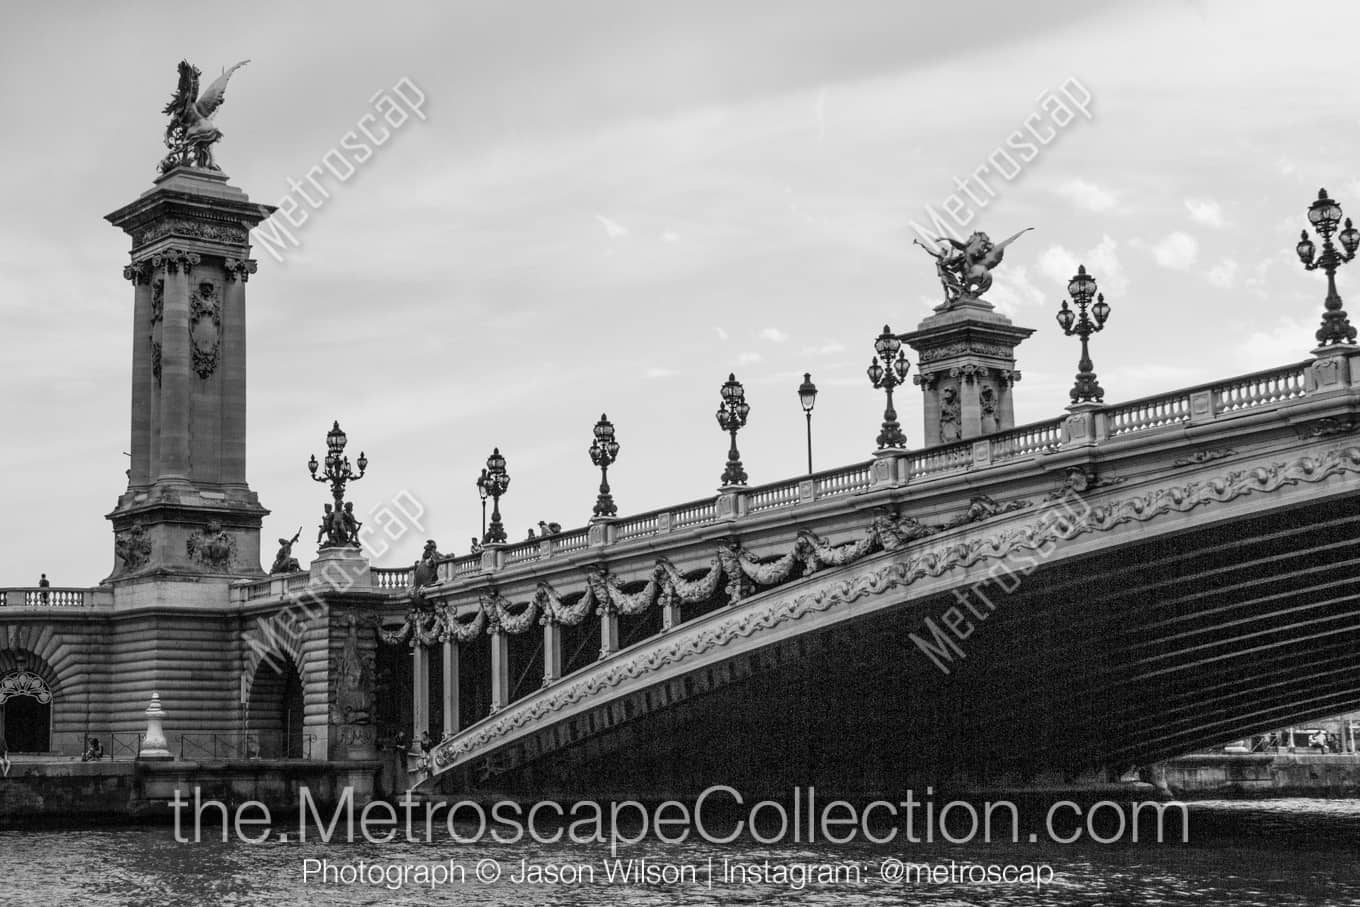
(1100, 662)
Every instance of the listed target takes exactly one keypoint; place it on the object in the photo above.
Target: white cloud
(1224, 274)
(655, 372)
(1289, 341)
(1088, 195)
(1102, 262)
(747, 358)
(1256, 283)
(613, 229)
(1013, 290)
(670, 236)
(1205, 211)
(826, 349)
(774, 335)
(722, 335)
(1176, 251)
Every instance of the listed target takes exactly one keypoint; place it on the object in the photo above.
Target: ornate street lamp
(1324, 214)
(604, 450)
(732, 414)
(483, 492)
(1082, 288)
(889, 375)
(807, 396)
(497, 481)
(338, 524)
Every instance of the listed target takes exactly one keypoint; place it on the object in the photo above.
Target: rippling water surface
(1254, 854)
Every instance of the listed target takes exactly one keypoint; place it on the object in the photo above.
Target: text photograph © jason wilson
(934, 433)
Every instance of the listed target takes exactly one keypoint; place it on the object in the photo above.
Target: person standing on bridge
(43, 586)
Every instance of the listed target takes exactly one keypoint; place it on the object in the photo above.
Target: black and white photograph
(715, 453)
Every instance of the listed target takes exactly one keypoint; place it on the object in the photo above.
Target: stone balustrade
(54, 597)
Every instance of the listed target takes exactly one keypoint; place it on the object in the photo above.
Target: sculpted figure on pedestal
(284, 562)
(965, 268)
(191, 132)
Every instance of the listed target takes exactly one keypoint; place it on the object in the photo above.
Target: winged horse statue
(191, 132)
(966, 267)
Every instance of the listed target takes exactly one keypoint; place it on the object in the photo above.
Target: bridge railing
(276, 585)
(1206, 402)
(53, 597)
(1095, 424)
(393, 577)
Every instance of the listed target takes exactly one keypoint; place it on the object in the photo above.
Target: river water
(1253, 854)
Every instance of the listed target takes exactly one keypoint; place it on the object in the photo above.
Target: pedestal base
(340, 568)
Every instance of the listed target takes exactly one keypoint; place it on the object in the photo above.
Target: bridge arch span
(1173, 615)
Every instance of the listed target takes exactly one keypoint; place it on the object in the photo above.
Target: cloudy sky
(609, 206)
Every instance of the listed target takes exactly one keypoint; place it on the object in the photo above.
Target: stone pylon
(966, 368)
(188, 510)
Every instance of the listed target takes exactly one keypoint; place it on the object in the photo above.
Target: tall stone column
(420, 688)
(139, 470)
(500, 669)
(174, 266)
(552, 652)
(451, 655)
(233, 372)
(609, 632)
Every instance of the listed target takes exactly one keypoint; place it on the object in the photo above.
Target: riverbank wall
(1261, 775)
(57, 792)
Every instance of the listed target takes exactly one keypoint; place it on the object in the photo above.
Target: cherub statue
(327, 520)
(191, 132)
(350, 523)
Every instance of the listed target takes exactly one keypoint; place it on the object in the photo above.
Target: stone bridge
(1097, 591)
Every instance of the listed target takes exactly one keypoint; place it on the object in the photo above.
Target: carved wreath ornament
(1052, 524)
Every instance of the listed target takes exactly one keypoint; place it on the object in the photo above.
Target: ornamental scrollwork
(1080, 480)
(1321, 428)
(1204, 456)
(205, 329)
(24, 683)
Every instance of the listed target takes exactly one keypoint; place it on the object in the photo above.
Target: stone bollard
(153, 744)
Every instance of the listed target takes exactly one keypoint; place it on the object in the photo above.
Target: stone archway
(274, 713)
(25, 712)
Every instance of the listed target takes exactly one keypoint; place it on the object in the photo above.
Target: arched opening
(25, 712)
(274, 713)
